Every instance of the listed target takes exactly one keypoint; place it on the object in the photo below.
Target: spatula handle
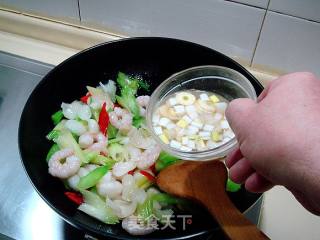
(232, 221)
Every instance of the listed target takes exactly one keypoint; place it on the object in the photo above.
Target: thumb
(237, 115)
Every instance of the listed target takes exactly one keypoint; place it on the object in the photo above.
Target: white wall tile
(226, 26)
(57, 8)
(289, 44)
(256, 3)
(308, 9)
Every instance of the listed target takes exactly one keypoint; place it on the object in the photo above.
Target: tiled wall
(61, 9)
(273, 34)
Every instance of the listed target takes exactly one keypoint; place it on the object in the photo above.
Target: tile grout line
(259, 35)
(245, 4)
(290, 15)
(79, 11)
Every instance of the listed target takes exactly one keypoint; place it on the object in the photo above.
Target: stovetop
(23, 213)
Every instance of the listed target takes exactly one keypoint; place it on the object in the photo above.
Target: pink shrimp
(143, 102)
(100, 144)
(149, 157)
(64, 164)
(121, 118)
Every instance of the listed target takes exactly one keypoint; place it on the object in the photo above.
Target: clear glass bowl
(223, 81)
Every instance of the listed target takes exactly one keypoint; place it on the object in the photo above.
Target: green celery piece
(115, 140)
(166, 157)
(137, 122)
(145, 210)
(92, 178)
(143, 84)
(117, 152)
(57, 117)
(92, 199)
(89, 155)
(53, 135)
(112, 131)
(232, 186)
(54, 148)
(60, 126)
(66, 140)
(127, 82)
(102, 160)
(128, 101)
(96, 207)
(165, 160)
(95, 113)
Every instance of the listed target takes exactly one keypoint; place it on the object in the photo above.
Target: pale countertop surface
(282, 216)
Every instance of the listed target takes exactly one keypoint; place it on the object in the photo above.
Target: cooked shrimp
(109, 187)
(133, 226)
(100, 144)
(64, 164)
(149, 157)
(85, 140)
(143, 102)
(121, 118)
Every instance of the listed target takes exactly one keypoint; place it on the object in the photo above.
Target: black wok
(154, 59)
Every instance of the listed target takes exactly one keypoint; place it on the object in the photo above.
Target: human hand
(279, 139)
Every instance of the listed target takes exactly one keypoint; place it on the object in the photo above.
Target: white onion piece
(151, 191)
(221, 107)
(75, 106)
(128, 180)
(140, 141)
(75, 127)
(122, 208)
(84, 112)
(67, 111)
(139, 195)
(110, 189)
(122, 168)
(93, 126)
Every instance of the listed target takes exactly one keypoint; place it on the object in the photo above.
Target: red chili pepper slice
(103, 119)
(153, 169)
(148, 175)
(75, 197)
(131, 172)
(85, 98)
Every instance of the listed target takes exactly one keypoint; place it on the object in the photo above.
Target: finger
(240, 171)
(237, 114)
(257, 183)
(264, 93)
(233, 157)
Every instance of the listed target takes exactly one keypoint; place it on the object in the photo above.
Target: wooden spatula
(205, 182)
